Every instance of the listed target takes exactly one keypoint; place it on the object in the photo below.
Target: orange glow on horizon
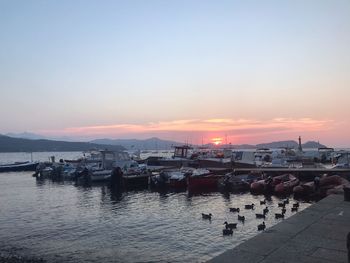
(238, 130)
(217, 140)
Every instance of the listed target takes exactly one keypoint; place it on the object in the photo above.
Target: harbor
(62, 219)
(199, 170)
(175, 131)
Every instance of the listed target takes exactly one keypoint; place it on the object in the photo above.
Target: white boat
(19, 166)
(100, 175)
(243, 159)
(341, 159)
(214, 158)
(46, 172)
(108, 160)
(180, 158)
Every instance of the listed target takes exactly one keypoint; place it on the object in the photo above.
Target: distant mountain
(34, 142)
(313, 144)
(159, 144)
(34, 136)
(135, 144)
(9, 144)
(279, 144)
(26, 135)
(290, 144)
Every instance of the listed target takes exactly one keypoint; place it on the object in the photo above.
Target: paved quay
(316, 234)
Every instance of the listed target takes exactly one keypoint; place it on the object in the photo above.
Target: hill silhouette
(9, 144)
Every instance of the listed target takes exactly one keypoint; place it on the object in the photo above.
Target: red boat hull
(177, 183)
(282, 184)
(286, 187)
(203, 183)
(328, 185)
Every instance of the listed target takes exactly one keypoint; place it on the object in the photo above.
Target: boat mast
(300, 148)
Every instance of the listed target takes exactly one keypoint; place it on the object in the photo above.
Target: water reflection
(40, 182)
(61, 221)
(226, 196)
(115, 194)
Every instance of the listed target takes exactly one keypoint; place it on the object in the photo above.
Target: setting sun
(217, 140)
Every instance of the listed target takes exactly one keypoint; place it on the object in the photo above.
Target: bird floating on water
(241, 218)
(262, 226)
(249, 206)
(227, 232)
(230, 226)
(206, 216)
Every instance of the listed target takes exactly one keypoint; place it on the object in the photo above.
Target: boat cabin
(181, 151)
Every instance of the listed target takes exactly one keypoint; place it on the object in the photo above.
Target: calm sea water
(63, 222)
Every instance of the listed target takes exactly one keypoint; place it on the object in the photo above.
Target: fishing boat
(180, 158)
(172, 178)
(243, 159)
(19, 166)
(136, 177)
(237, 183)
(212, 158)
(136, 181)
(108, 160)
(215, 162)
(205, 181)
(100, 175)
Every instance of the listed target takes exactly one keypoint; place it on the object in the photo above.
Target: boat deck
(316, 234)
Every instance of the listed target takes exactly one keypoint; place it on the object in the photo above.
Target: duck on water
(207, 216)
(262, 226)
(230, 226)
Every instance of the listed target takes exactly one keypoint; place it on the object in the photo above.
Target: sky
(190, 71)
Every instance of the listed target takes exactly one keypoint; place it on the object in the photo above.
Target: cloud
(199, 127)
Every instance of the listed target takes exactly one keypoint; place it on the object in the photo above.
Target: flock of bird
(228, 230)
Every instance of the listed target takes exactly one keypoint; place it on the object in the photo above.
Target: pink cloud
(237, 130)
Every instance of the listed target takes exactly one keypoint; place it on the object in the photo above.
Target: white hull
(101, 175)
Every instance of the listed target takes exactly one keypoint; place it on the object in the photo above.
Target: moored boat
(100, 175)
(206, 182)
(46, 172)
(19, 166)
(237, 183)
(286, 183)
(180, 158)
(289, 181)
(174, 178)
(261, 187)
(132, 181)
(108, 160)
(332, 184)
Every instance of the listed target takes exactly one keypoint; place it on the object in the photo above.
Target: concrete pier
(316, 234)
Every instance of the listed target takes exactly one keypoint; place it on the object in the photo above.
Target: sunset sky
(246, 71)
